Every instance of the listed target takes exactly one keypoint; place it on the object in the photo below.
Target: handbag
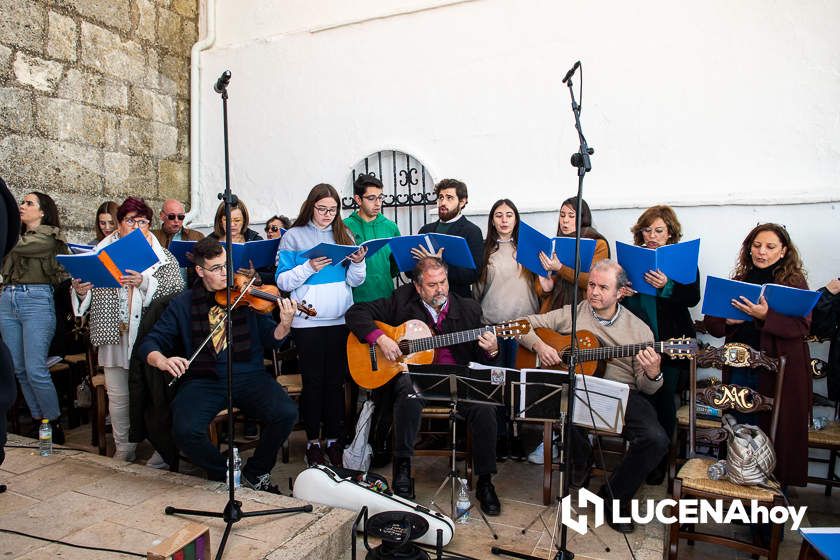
(750, 457)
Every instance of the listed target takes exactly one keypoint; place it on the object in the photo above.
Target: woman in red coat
(769, 256)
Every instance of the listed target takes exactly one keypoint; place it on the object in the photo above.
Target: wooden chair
(692, 480)
(293, 384)
(829, 439)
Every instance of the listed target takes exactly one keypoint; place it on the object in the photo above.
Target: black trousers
(648, 444)
(322, 355)
(481, 421)
(8, 393)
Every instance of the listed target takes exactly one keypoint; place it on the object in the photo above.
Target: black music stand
(454, 384)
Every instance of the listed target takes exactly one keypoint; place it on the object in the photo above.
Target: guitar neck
(448, 339)
(605, 353)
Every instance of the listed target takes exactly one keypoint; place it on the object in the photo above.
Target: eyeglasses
(273, 229)
(138, 223)
(215, 269)
(372, 197)
(172, 217)
(324, 211)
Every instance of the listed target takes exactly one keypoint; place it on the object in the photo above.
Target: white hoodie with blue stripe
(328, 290)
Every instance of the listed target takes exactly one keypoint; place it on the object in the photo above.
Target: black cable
(65, 543)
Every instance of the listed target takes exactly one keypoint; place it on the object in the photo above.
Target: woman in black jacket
(667, 313)
(825, 323)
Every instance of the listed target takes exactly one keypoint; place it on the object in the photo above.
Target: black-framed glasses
(215, 269)
(373, 197)
(171, 217)
(324, 211)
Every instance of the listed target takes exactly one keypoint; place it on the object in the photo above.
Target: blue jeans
(257, 395)
(27, 324)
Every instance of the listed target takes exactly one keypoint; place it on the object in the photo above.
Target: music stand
(538, 397)
(453, 384)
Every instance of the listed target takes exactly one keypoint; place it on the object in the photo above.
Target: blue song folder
(677, 261)
(103, 268)
(531, 242)
(456, 252)
(339, 253)
(717, 299)
(826, 540)
(262, 253)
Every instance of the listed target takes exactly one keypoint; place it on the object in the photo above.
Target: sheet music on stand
(475, 383)
(536, 395)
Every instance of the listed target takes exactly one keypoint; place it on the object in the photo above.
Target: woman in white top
(115, 314)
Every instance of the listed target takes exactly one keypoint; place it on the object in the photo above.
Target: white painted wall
(693, 104)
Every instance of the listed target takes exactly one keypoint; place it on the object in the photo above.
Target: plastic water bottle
(462, 505)
(717, 471)
(237, 468)
(820, 422)
(45, 438)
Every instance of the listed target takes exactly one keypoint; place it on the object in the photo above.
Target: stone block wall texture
(94, 102)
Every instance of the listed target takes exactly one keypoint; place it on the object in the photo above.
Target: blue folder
(339, 253)
(79, 248)
(826, 540)
(677, 261)
(717, 299)
(456, 252)
(262, 253)
(531, 242)
(104, 267)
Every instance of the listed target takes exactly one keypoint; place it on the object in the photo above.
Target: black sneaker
(261, 483)
(57, 432)
(314, 455)
(334, 454)
(401, 485)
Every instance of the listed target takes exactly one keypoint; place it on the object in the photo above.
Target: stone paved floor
(519, 486)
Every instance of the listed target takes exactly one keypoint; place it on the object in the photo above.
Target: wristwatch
(657, 378)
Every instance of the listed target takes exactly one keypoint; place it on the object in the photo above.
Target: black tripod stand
(233, 509)
(580, 160)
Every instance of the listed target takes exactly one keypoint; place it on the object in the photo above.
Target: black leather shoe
(486, 496)
(401, 484)
(58, 437)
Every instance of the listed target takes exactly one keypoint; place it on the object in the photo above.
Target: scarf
(200, 308)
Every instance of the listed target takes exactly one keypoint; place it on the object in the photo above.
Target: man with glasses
(368, 223)
(202, 394)
(172, 227)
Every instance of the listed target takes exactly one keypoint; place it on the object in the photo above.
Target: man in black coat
(452, 197)
(428, 299)
(9, 232)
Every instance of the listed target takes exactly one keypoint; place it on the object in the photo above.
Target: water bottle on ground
(237, 467)
(463, 503)
(45, 438)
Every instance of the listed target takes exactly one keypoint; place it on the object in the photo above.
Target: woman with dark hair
(505, 290)
(115, 315)
(239, 222)
(321, 341)
(27, 308)
(274, 225)
(667, 314)
(769, 256)
(106, 221)
(556, 289)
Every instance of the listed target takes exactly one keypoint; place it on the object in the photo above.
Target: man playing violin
(202, 392)
(603, 315)
(428, 299)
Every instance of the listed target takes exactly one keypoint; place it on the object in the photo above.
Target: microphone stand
(233, 509)
(581, 161)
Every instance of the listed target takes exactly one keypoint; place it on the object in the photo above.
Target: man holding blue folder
(452, 197)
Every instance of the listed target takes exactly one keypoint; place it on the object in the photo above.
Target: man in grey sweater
(614, 325)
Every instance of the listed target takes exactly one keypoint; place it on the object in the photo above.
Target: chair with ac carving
(692, 481)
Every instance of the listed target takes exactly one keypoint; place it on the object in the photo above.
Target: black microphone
(569, 74)
(224, 80)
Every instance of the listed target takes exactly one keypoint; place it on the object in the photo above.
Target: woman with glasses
(115, 315)
(106, 221)
(27, 309)
(275, 225)
(321, 341)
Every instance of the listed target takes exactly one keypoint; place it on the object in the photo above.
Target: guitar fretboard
(448, 339)
(596, 354)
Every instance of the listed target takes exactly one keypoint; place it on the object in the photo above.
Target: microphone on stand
(569, 74)
(224, 80)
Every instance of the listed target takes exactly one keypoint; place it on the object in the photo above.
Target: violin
(261, 298)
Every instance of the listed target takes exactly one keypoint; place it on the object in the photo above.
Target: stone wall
(94, 101)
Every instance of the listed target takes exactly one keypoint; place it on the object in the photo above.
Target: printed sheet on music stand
(472, 385)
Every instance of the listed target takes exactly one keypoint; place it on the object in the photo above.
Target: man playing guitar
(428, 299)
(614, 325)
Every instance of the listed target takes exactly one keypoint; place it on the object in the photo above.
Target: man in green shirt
(368, 223)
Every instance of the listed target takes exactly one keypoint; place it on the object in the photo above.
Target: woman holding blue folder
(667, 314)
(27, 309)
(556, 290)
(769, 256)
(321, 340)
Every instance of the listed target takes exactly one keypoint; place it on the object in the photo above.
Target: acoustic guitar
(591, 355)
(370, 369)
